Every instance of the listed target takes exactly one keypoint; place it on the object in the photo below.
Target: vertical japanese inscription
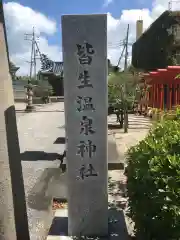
(86, 126)
(84, 104)
(85, 54)
(87, 171)
(86, 147)
(84, 80)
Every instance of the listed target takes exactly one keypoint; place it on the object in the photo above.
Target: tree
(13, 69)
(46, 63)
(11, 65)
(122, 91)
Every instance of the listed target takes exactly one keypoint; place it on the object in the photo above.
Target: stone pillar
(13, 216)
(86, 107)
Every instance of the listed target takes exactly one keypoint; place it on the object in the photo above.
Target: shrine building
(163, 87)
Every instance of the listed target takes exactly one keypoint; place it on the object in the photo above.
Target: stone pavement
(41, 136)
(138, 128)
(38, 132)
(120, 226)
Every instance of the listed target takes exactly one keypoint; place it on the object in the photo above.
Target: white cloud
(107, 2)
(21, 19)
(117, 27)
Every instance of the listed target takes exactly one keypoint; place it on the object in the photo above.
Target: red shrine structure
(162, 87)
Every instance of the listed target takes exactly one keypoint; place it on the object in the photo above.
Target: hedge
(153, 185)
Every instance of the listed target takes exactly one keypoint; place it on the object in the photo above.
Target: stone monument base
(30, 108)
(116, 227)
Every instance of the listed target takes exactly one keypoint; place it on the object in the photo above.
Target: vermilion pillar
(161, 96)
(170, 96)
(158, 95)
(175, 93)
(153, 98)
(150, 97)
(155, 95)
(178, 94)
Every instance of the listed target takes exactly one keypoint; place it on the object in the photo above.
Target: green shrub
(153, 184)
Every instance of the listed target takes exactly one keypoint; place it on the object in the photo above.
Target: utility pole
(121, 55)
(125, 84)
(34, 49)
(126, 49)
(124, 112)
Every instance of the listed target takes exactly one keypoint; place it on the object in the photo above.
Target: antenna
(170, 5)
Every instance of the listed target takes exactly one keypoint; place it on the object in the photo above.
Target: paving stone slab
(39, 205)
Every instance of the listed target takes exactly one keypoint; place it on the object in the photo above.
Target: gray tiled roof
(56, 69)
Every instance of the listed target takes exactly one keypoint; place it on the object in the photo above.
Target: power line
(125, 84)
(121, 56)
(126, 47)
(34, 51)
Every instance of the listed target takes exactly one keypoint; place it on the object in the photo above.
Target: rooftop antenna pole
(170, 5)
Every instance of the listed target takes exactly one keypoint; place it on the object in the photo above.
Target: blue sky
(45, 16)
(55, 8)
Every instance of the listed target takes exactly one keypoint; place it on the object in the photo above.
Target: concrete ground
(138, 129)
(119, 223)
(38, 132)
(41, 136)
